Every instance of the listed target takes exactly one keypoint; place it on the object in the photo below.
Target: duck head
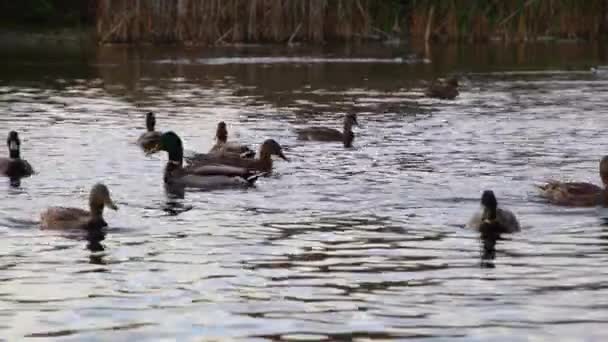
(100, 198)
(604, 171)
(172, 144)
(452, 82)
(221, 134)
(489, 203)
(14, 145)
(150, 121)
(269, 148)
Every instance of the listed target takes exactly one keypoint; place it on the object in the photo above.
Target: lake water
(357, 244)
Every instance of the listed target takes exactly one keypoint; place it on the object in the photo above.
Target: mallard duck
(151, 137)
(75, 218)
(493, 219)
(577, 194)
(224, 147)
(331, 134)
(263, 164)
(14, 166)
(446, 90)
(201, 176)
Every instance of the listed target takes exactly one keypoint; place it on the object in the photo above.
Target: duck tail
(254, 177)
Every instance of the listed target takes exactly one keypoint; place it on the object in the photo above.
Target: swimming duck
(493, 220)
(149, 139)
(578, 194)
(200, 176)
(263, 164)
(446, 90)
(75, 218)
(331, 134)
(222, 146)
(14, 166)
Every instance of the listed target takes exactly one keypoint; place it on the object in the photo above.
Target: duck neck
(14, 150)
(96, 210)
(489, 213)
(14, 154)
(150, 123)
(221, 137)
(176, 156)
(265, 161)
(347, 135)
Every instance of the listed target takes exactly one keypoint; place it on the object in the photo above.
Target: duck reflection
(15, 182)
(489, 234)
(94, 238)
(173, 206)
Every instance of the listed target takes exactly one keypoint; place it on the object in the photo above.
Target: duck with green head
(445, 90)
(318, 133)
(492, 219)
(14, 166)
(578, 194)
(200, 176)
(150, 138)
(262, 164)
(75, 218)
(229, 148)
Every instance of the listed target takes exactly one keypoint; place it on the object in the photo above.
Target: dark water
(363, 244)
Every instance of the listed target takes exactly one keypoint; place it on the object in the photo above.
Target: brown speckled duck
(75, 218)
(445, 90)
(151, 138)
(14, 166)
(330, 134)
(493, 219)
(262, 164)
(223, 146)
(577, 194)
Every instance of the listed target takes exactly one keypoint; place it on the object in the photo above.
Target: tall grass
(228, 21)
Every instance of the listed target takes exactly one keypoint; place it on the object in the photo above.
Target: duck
(76, 218)
(206, 177)
(14, 166)
(331, 134)
(492, 219)
(151, 137)
(577, 194)
(262, 164)
(224, 147)
(445, 90)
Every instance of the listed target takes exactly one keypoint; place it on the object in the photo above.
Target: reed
(228, 21)
(514, 20)
(318, 21)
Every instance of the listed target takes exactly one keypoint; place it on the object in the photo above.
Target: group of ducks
(227, 164)
(231, 164)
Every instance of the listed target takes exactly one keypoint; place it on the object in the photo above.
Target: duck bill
(283, 156)
(110, 204)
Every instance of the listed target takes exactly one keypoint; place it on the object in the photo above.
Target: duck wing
(218, 170)
(319, 133)
(214, 176)
(507, 220)
(234, 148)
(441, 91)
(15, 167)
(572, 193)
(64, 218)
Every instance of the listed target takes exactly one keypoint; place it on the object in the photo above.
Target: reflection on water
(339, 244)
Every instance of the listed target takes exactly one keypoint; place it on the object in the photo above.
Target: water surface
(338, 244)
